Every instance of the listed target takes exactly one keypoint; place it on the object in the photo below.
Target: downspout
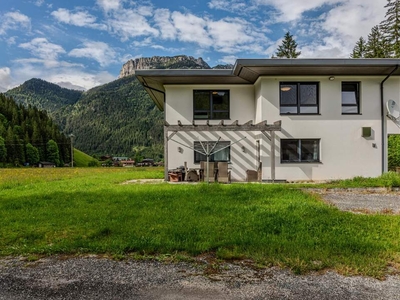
(384, 138)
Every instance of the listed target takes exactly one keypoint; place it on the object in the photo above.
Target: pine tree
(376, 47)
(53, 154)
(32, 154)
(391, 27)
(288, 47)
(3, 150)
(359, 49)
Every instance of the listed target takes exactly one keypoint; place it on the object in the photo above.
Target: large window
(298, 98)
(350, 98)
(210, 104)
(299, 150)
(223, 155)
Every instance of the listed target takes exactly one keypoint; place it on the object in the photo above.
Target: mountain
(46, 96)
(117, 118)
(162, 62)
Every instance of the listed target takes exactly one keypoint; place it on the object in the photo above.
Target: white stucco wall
(179, 106)
(344, 152)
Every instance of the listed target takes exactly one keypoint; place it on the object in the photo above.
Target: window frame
(357, 94)
(299, 147)
(226, 144)
(298, 104)
(211, 111)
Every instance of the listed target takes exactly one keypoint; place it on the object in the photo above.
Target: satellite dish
(393, 111)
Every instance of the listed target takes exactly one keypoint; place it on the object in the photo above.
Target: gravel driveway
(100, 278)
(363, 200)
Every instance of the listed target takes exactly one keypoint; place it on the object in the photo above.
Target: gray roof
(247, 71)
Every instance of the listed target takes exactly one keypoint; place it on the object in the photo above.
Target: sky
(82, 44)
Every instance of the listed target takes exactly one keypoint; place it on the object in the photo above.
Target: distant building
(46, 164)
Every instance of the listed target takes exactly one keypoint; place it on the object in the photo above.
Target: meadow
(77, 211)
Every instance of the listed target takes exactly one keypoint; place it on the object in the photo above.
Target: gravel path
(99, 278)
(363, 201)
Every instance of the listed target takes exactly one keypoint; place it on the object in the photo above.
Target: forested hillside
(28, 135)
(117, 118)
(46, 96)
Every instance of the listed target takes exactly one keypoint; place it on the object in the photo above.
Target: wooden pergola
(266, 129)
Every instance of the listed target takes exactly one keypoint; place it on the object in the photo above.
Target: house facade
(302, 119)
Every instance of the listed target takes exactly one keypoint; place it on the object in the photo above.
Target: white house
(310, 119)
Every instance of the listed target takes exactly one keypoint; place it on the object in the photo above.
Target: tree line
(28, 136)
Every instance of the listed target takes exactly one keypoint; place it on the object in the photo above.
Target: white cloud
(168, 49)
(191, 28)
(147, 42)
(42, 48)
(336, 31)
(79, 18)
(12, 40)
(14, 21)
(5, 79)
(129, 23)
(234, 35)
(39, 2)
(229, 59)
(230, 5)
(110, 5)
(163, 21)
(98, 51)
(64, 72)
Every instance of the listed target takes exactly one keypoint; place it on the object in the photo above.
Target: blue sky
(82, 44)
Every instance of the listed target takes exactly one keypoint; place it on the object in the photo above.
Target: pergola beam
(235, 126)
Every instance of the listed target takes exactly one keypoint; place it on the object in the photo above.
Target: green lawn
(89, 211)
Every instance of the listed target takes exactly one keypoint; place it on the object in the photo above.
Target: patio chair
(253, 175)
(203, 171)
(223, 175)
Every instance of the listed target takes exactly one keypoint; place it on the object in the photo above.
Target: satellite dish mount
(393, 112)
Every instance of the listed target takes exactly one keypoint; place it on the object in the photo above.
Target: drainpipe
(384, 137)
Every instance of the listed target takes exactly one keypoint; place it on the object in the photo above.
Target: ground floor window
(223, 155)
(300, 150)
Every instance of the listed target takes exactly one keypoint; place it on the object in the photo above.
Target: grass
(82, 159)
(76, 211)
(389, 180)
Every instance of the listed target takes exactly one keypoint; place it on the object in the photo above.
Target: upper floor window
(210, 104)
(300, 150)
(299, 98)
(350, 98)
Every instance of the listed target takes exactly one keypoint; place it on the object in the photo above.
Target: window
(296, 150)
(298, 98)
(210, 104)
(223, 155)
(350, 98)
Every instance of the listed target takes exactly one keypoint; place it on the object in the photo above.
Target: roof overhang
(247, 71)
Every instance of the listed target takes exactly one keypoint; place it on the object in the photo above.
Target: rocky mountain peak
(162, 62)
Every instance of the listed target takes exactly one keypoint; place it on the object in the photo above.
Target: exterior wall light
(332, 78)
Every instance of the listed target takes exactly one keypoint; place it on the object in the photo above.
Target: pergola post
(166, 153)
(273, 156)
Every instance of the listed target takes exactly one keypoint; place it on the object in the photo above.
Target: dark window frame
(211, 111)
(298, 98)
(357, 94)
(299, 153)
(197, 157)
